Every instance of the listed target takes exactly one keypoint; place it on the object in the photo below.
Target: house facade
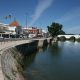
(8, 30)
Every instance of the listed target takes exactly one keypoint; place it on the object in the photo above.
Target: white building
(32, 31)
(5, 29)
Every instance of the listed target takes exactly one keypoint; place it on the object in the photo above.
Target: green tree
(55, 29)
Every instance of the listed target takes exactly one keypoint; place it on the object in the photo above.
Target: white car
(32, 35)
(1, 37)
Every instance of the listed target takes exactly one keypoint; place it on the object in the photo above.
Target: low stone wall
(11, 64)
(12, 59)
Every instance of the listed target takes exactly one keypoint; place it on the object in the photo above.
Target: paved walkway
(8, 44)
(11, 43)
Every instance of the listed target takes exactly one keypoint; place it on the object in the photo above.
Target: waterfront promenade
(11, 43)
(7, 43)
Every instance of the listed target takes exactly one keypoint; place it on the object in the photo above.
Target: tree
(55, 29)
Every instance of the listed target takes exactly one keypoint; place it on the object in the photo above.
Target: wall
(12, 59)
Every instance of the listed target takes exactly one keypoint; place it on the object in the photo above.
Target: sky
(41, 13)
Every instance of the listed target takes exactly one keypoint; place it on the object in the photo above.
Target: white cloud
(74, 30)
(70, 15)
(41, 7)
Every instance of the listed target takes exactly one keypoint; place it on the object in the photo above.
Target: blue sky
(41, 13)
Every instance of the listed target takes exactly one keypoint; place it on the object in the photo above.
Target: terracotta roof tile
(14, 23)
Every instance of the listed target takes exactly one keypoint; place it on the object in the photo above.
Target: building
(14, 23)
(17, 27)
(32, 31)
(3, 28)
(9, 30)
(6, 30)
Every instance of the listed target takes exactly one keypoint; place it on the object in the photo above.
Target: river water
(60, 61)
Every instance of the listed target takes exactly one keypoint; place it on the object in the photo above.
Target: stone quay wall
(12, 59)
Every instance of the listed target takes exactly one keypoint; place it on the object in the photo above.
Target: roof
(14, 23)
(2, 24)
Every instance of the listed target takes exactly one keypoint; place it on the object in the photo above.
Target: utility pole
(26, 25)
(26, 21)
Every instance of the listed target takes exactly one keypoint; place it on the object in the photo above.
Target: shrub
(72, 38)
(78, 39)
(62, 38)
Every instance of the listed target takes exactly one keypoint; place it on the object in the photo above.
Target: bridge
(8, 43)
(68, 36)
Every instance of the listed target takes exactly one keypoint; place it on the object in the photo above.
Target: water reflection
(28, 59)
(54, 48)
(43, 49)
(54, 62)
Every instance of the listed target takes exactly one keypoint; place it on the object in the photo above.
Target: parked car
(1, 37)
(32, 35)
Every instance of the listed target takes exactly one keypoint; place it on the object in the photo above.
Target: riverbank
(1, 74)
(12, 59)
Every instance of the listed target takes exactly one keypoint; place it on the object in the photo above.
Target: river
(60, 61)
